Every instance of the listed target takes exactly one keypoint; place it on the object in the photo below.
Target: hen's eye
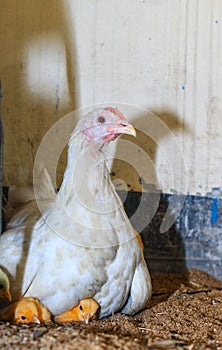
(101, 120)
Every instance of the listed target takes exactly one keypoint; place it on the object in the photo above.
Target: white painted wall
(162, 56)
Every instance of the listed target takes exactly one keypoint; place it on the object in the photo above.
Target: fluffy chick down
(25, 311)
(86, 310)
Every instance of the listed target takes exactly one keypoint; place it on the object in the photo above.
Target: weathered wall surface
(163, 56)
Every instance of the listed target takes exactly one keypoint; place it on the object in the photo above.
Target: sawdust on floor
(185, 312)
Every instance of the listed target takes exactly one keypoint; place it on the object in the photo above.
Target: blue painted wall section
(214, 214)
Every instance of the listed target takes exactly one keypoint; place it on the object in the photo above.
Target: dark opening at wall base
(193, 240)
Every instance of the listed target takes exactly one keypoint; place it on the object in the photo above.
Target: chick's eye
(23, 317)
(80, 307)
(101, 120)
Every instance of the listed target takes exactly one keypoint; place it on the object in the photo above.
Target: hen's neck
(87, 173)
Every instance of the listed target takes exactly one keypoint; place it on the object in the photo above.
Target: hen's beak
(127, 129)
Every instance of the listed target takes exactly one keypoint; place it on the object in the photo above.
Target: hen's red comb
(116, 111)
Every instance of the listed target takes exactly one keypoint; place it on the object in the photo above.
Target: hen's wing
(14, 250)
(22, 215)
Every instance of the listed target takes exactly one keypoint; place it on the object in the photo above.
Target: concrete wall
(162, 56)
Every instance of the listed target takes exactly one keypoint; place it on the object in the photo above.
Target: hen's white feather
(23, 199)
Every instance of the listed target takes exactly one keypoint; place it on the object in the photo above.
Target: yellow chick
(85, 311)
(25, 311)
(5, 295)
(30, 310)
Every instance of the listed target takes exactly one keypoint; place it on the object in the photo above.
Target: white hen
(83, 245)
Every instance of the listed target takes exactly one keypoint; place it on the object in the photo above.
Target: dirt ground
(185, 312)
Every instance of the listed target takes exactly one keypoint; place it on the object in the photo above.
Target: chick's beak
(8, 296)
(35, 320)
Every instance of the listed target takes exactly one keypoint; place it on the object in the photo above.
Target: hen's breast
(68, 273)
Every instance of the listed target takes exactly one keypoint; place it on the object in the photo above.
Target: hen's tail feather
(43, 186)
(41, 189)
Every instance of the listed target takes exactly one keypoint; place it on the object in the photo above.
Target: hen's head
(105, 124)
